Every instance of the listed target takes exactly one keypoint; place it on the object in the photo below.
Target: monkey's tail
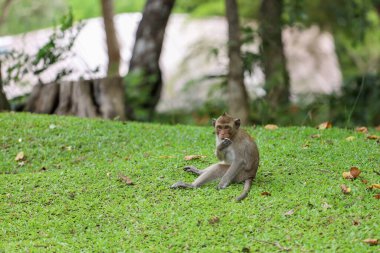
(247, 187)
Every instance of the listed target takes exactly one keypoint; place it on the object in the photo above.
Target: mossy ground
(66, 197)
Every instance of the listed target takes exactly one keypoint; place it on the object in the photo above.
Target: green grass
(77, 203)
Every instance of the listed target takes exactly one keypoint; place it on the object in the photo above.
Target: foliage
(56, 49)
(65, 192)
(25, 15)
(138, 91)
(358, 103)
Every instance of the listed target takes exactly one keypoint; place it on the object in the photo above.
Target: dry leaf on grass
(373, 137)
(166, 156)
(371, 241)
(347, 175)
(325, 205)
(214, 220)
(271, 127)
(125, 180)
(350, 138)
(355, 172)
(345, 189)
(377, 196)
(266, 194)
(374, 186)
(352, 174)
(362, 129)
(364, 181)
(324, 125)
(20, 157)
(315, 136)
(290, 212)
(193, 157)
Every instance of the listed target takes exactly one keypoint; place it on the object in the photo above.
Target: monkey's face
(226, 126)
(224, 131)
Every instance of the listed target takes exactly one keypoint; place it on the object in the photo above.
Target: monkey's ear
(237, 123)
(213, 122)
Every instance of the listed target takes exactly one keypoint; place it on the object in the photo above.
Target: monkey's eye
(219, 127)
(227, 127)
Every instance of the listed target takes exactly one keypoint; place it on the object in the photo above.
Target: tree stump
(84, 98)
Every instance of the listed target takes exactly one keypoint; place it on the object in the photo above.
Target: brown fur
(238, 154)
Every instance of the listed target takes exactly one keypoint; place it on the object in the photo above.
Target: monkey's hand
(192, 169)
(181, 185)
(224, 144)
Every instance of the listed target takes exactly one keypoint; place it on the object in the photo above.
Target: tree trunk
(113, 48)
(144, 82)
(237, 93)
(4, 104)
(4, 11)
(85, 98)
(272, 54)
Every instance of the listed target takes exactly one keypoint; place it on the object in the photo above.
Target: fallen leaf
(20, 157)
(345, 189)
(290, 212)
(315, 136)
(347, 175)
(355, 172)
(214, 220)
(364, 181)
(377, 196)
(373, 137)
(166, 156)
(193, 157)
(271, 127)
(371, 241)
(125, 180)
(324, 125)
(352, 174)
(355, 222)
(350, 138)
(362, 129)
(374, 186)
(325, 205)
(266, 194)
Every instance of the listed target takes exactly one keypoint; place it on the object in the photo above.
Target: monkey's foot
(192, 169)
(222, 186)
(181, 185)
(225, 143)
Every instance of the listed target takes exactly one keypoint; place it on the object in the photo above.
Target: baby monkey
(238, 155)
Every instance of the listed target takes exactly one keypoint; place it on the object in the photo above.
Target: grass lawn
(64, 194)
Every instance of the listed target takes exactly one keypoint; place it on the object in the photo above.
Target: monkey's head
(226, 126)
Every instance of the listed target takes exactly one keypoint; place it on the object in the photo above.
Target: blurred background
(288, 62)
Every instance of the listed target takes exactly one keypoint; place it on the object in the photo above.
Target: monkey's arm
(231, 173)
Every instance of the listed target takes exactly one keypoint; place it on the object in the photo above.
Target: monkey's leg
(231, 173)
(211, 173)
(193, 169)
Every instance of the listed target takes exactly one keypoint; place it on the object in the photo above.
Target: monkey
(238, 155)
